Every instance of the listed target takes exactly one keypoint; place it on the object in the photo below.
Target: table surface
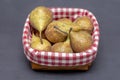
(15, 66)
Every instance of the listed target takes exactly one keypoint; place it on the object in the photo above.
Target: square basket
(41, 60)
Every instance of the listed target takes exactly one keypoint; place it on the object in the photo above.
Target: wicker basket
(41, 60)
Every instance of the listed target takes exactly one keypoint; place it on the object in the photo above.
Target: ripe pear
(65, 20)
(54, 34)
(75, 27)
(57, 30)
(63, 47)
(80, 41)
(36, 44)
(39, 18)
(66, 24)
(85, 23)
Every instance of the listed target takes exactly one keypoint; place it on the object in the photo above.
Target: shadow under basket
(41, 60)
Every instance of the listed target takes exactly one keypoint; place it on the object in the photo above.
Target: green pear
(39, 18)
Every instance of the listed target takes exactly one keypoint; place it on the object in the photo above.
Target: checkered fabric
(62, 59)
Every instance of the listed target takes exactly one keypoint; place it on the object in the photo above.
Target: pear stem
(41, 38)
(60, 30)
(70, 37)
(70, 30)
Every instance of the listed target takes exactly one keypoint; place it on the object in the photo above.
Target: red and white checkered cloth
(62, 59)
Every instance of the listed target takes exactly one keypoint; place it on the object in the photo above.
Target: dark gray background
(15, 66)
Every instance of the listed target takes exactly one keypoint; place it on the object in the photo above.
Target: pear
(63, 47)
(75, 27)
(36, 44)
(39, 18)
(66, 24)
(34, 38)
(85, 23)
(54, 34)
(34, 31)
(80, 41)
(65, 20)
(57, 30)
(42, 34)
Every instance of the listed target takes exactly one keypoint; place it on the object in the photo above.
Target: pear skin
(84, 23)
(62, 47)
(66, 24)
(36, 44)
(54, 35)
(80, 41)
(65, 20)
(39, 18)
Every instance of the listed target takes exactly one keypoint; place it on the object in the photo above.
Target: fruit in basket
(39, 18)
(34, 38)
(63, 24)
(80, 41)
(36, 44)
(54, 33)
(85, 23)
(75, 27)
(59, 30)
(63, 46)
(66, 24)
(42, 34)
(37, 33)
(65, 20)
